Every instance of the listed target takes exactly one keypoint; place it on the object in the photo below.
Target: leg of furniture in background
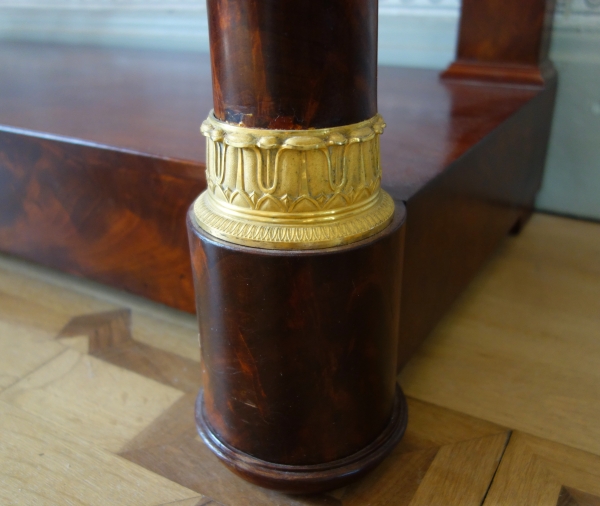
(505, 41)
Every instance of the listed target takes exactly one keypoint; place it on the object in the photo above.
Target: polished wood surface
(292, 65)
(147, 101)
(508, 31)
(152, 103)
(108, 204)
(505, 41)
(319, 327)
(299, 348)
(521, 426)
(87, 209)
(458, 219)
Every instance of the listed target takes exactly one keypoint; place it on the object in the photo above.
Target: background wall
(412, 32)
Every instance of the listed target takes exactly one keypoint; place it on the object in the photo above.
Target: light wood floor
(97, 391)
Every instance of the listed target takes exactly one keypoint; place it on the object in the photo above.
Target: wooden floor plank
(92, 399)
(194, 501)
(537, 471)
(461, 473)
(39, 297)
(22, 350)
(43, 463)
(39, 302)
(444, 458)
(521, 348)
(177, 335)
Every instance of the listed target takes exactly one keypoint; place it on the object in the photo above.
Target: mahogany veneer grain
(318, 326)
(319, 70)
(101, 156)
(506, 41)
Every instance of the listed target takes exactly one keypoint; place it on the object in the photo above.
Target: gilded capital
(293, 189)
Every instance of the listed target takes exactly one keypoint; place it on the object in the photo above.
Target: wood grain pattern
(524, 334)
(320, 326)
(417, 471)
(293, 65)
(109, 338)
(22, 351)
(43, 462)
(477, 460)
(504, 41)
(536, 471)
(96, 209)
(110, 415)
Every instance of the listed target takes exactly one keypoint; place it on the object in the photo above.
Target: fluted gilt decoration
(293, 189)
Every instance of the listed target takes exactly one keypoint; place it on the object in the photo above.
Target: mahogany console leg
(296, 249)
(299, 357)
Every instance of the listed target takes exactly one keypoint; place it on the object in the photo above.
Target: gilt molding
(293, 189)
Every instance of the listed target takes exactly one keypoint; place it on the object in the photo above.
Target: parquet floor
(97, 391)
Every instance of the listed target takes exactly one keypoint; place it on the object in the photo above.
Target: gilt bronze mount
(293, 189)
(296, 250)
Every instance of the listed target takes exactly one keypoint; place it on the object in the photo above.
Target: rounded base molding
(315, 231)
(307, 479)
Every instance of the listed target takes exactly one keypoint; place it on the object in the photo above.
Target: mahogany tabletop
(153, 101)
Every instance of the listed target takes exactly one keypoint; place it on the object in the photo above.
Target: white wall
(412, 32)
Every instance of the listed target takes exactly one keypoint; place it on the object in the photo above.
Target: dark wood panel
(432, 123)
(135, 100)
(510, 31)
(109, 215)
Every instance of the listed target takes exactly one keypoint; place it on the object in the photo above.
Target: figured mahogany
(100, 157)
(103, 213)
(458, 219)
(287, 65)
(299, 348)
(504, 41)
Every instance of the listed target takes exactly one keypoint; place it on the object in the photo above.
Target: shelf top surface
(152, 102)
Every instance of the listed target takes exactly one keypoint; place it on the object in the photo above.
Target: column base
(307, 479)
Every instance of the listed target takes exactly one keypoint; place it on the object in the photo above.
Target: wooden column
(504, 41)
(296, 250)
(293, 65)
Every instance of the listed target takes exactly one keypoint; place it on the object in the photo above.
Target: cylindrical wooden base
(309, 478)
(299, 357)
